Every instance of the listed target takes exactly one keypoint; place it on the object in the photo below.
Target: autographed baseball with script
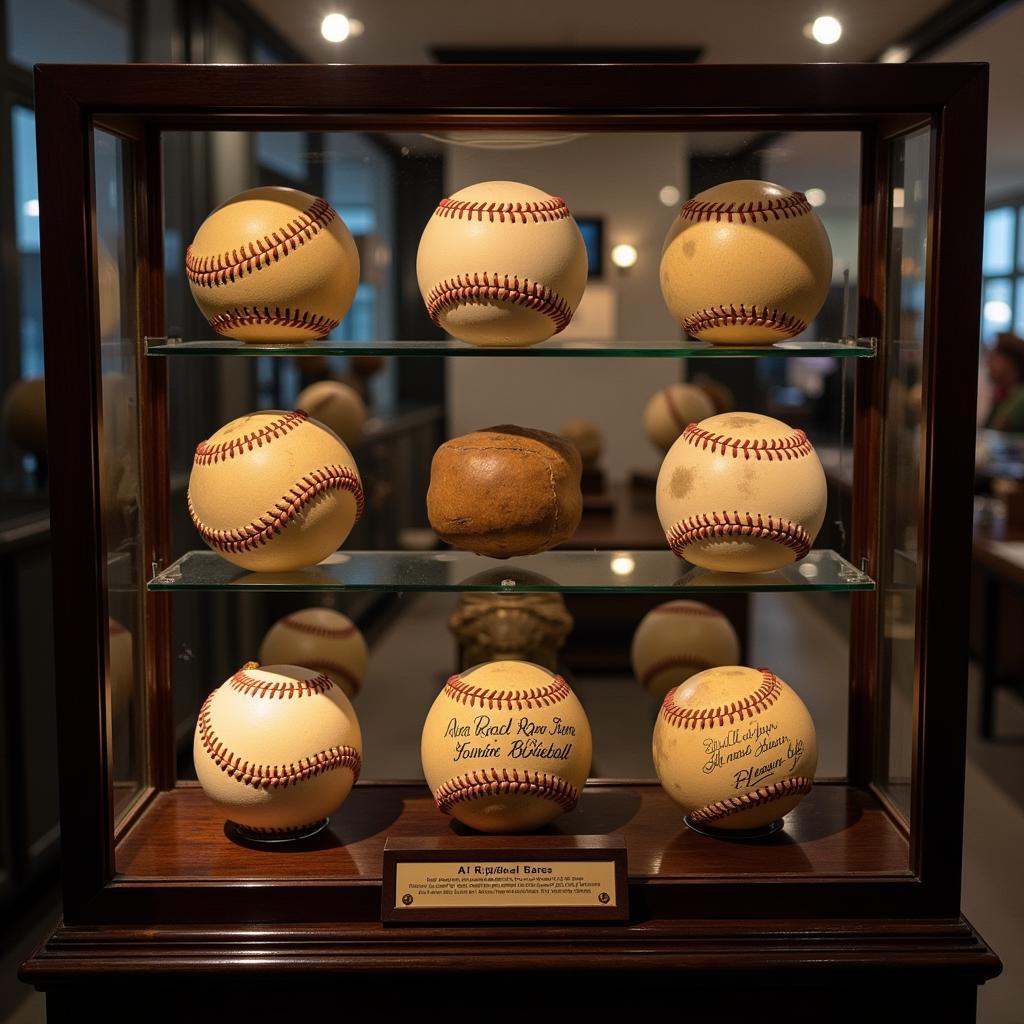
(274, 491)
(746, 263)
(735, 748)
(506, 747)
(277, 748)
(502, 263)
(669, 412)
(273, 265)
(741, 492)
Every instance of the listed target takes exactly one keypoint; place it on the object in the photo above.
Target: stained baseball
(678, 639)
(506, 747)
(746, 262)
(274, 491)
(670, 410)
(735, 748)
(277, 748)
(741, 492)
(321, 639)
(502, 263)
(273, 265)
(336, 405)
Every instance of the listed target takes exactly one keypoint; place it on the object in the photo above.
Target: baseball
(277, 748)
(501, 263)
(669, 410)
(322, 639)
(337, 406)
(273, 265)
(506, 747)
(585, 437)
(735, 747)
(24, 415)
(741, 493)
(676, 640)
(274, 491)
(746, 263)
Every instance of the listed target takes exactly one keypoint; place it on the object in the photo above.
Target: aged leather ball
(505, 491)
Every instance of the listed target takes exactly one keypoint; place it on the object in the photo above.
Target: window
(1002, 267)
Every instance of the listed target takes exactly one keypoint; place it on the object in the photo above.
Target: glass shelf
(848, 348)
(638, 572)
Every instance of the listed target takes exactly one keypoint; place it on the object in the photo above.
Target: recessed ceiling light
(815, 196)
(624, 256)
(826, 30)
(335, 28)
(670, 195)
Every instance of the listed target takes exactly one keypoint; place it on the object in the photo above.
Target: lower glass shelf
(636, 572)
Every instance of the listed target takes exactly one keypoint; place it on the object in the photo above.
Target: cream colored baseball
(273, 265)
(506, 747)
(274, 491)
(585, 437)
(670, 410)
(735, 747)
(746, 263)
(741, 492)
(277, 748)
(501, 263)
(678, 639)
(322, 639)
(336, 405)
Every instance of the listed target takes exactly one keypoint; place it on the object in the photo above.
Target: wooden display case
(856, 905)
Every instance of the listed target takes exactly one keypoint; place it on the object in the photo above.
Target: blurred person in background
(1006, 378)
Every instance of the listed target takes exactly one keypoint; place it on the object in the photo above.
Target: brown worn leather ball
(505, 491)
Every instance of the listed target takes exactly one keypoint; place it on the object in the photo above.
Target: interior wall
(617, 177)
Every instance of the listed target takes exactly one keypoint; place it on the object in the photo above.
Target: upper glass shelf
(847, 348)
(639, 572)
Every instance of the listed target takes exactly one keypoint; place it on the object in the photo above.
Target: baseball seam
(544, 210)
(791, 446)
(282, 830)
(272, 776)
(680, 661)
(225, 268)
(726, 525)
(267, 316)
(221, 451)
(709, 718)
(794, 204)
(326, 632)
(506, 781)
(280, 688)
(516, 700)
(465, 288)
(798, 784)
(743, 316)
(673, 411)
(273, 521)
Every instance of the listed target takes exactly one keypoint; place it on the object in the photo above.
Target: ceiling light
(998, 312)
(670, 195)
(335, 28)
(622, 565)
(815, 196)
(826, 30)
(31, 208)
(624, 256)
(898, 198)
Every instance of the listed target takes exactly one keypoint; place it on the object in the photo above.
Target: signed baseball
(336, 405)
(277, 748)
(669, 410)
(741, 492)
(274, 491)
(506, 747)
(746, 263)
(501, 263)
(735, 747)
(319, 638)
(677, 639)
(273, 264)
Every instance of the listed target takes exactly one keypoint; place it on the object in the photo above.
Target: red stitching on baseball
(272, 522)
(249, 316)
(540, 697)
(673, 411)
(709, 718)
(327, 632)
(696, 664)
(207, 453)
(721, 525)
(280, 831)
(792, 446)
(544, 210)
(684, 609)
(468, 287)
(212, 271)
(732, 316)
(280, 688)
(755, 798)
(272, 776)
(793, 204)
(495, 782)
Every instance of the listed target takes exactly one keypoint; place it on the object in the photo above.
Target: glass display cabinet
(856, 903)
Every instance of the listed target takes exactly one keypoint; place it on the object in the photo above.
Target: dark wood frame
(909, 920)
